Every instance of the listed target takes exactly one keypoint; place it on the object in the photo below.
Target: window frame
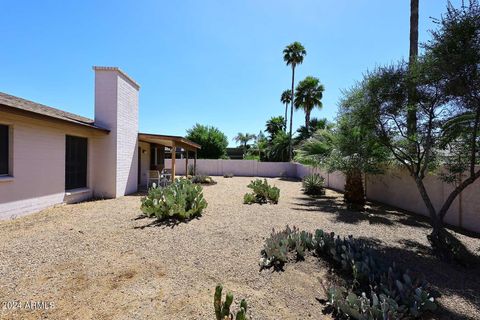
(83, 165)
(9, 158)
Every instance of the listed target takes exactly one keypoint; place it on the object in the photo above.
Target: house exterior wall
(116, 109)
(127, 137)
(38, 164)
(38, 151)
(144, 163)
(106, 147)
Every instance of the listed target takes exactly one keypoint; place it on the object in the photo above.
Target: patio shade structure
(173, 142)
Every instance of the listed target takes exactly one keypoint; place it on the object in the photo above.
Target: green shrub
(222, 309)
(181, 200)
(262, 192)
(313, 184)
(249, 198)
(202, 179)
(377, 289)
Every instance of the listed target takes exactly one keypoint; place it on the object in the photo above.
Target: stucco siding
(38, 156)
(116, 158)
(127, 137)
(104, 148)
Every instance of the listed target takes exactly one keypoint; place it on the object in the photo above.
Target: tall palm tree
(308, 95)
(293, 55)
(412, 112)
(286, 98)
(243, 139)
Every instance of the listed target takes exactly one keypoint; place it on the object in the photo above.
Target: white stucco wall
(116, 108)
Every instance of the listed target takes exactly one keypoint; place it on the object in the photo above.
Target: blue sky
(210, 62)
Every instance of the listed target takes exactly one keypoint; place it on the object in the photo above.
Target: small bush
(313, 184)
(377, 289)
(202, 179)
(181, 200)
(262, 193)
(249, 198)
(228, 175)
(222, 309)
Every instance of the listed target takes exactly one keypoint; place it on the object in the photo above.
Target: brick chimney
(115, 156)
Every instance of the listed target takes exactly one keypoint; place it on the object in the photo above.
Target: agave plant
(313, 184)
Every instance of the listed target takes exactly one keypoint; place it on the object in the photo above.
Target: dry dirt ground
(99, 260)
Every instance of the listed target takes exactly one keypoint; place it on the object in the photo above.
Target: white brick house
(48, 156)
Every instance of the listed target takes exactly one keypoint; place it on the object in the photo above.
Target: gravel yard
(101, 260)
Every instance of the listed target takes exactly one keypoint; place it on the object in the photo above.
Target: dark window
(75, 162)
(4, 149)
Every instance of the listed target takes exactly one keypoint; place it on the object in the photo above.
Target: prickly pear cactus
(182, 200)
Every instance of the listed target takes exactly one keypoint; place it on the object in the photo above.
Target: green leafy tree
(286, 99)
(244, 139)
(260, 146)
(446, 82)
(293, 55)
(214, 142)
(308, 95)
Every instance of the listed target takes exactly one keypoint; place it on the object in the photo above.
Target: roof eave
(33, 114)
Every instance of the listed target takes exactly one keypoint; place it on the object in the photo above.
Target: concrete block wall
(395, 187)
(244, 168)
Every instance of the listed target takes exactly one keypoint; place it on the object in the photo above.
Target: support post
(174, 155)
(195, 163)
(186, 163)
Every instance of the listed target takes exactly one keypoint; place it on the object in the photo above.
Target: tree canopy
(214, 142)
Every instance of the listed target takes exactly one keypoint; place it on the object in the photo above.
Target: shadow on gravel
(375, 213)
(167, 223)
(451, 280)
(444, 277)
(457, 283)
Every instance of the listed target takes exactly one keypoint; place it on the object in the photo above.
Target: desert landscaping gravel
(102, 260)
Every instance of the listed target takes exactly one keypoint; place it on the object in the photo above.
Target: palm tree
(277, 149)
(286, 98)
(243, 139)
(315, 124)
(308, 95)
(274, 125)
(293, 55)
(412, 112)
